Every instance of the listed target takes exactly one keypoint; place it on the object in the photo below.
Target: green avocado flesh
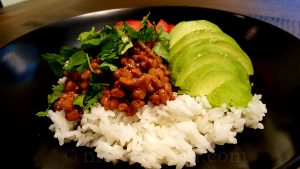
(185, 59)
(185, 27)
(219, 46)
(197, 37)
(215, 68)
(207, 84)
(233, 93)
(206, 61)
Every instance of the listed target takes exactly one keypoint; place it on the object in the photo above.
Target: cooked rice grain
(170, 134)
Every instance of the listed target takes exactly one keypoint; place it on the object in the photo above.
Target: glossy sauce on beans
(75, 84)
(141, 77)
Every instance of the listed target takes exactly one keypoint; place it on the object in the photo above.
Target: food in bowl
(153, 94)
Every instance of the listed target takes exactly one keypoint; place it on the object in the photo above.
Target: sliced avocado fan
(206, 61)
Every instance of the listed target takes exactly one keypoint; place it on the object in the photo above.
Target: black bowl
(25, 81)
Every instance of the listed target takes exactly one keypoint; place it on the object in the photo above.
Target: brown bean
(136, 104)
(142, 57)
(158, 59)
(126, 73)
(154, 99)
(105, 102)
(117, 73)
(165, 79)
(58, 106)
(135, 57)
(138, 94)
(130, 111)
(130, 63)
(63, 96)
(136, 50)
(123, 61)
(98, 71)
(84, 85)
(106, 92)
(75, 75)
(117, 84)
(150, 88)
(146, 79)
(163, 96)
(116, 92)
(122, 107)
(70, 86)
(127, 82)
(67, 105)
(152, 71)
(94, 65)
(114, 103)
(86, 75)
(156, 82)
(136, 72)
(150, 63)
(72, 115)
(168, 88)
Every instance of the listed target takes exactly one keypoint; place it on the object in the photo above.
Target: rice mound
(170, 134)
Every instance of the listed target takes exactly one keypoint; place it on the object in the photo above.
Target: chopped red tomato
(164, 25)
(135, 24)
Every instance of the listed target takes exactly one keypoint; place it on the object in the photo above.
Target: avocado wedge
(188, 55)
(212, 80)
(233, 93)
(208, 63)
(197, 37)
(185, 27)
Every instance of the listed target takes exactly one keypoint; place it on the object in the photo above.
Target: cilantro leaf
(160, 50)
(131, 32)
(108, 66)
(161, 47)
(67, 51)
(42, 113)
(79, 100)
(82, 67)
(57, 90)
(55, 62)
(126, 42)
(92, 100)
(84, 36)
(76, 59)
(146, 32)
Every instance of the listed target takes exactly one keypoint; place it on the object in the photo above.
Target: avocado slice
(188, 55)
(198, 36)
(211, 80)
(185, 27)
(221, 80)
(206, 61)
(207, 65)
(233, 93)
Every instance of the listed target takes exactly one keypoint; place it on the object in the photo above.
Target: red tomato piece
(164, 25)
(135, 24)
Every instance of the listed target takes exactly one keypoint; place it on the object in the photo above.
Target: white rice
(170, 134)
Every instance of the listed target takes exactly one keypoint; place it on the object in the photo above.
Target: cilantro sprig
(56, 92)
